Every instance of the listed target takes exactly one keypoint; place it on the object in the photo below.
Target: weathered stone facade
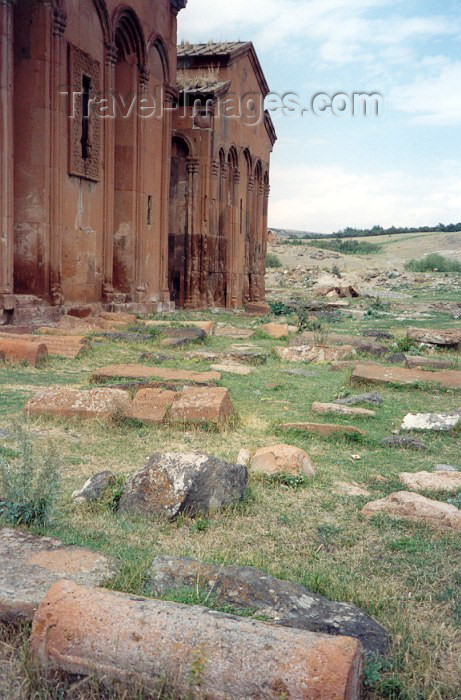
(219, 177)
(84, 200)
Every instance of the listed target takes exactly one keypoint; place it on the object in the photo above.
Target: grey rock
(94, 487)
(282, 602)
(445, 468)
(299, 372)
(431, 421)
(189, 483)
(403, 442)
(155, 357)
(381, 335)
(397, 358)
(372, 398)
(31, 565)
(183, 333)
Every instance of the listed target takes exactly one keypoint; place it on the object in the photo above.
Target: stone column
(6, 147)
(249, 239)
(141, 204)
(110, 59)
(213, 227)
(234, 239)
(170, 95)
(57, 79)
(192, 281)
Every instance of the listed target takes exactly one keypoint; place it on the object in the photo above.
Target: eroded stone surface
(380, 374)
(282, 459)
(431, 421)
(174, 483)
(94, 487)
(432, 336)
(417, 362)
(324, 429)
(276, 330)
(430, 481)
(316, 353)
(232, 368)
(202, 405)
(61, 345)
(372, 398)
(413, 506)
(283, 602)
(350, 489)
(151, 405)
(94, 632)
(93, 403)
(325, 408)
(31, 564)
(19, 350)
(145, 372)
(403, 442)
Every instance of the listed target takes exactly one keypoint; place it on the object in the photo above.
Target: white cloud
(328, 198)
(434, 96)
(342, 29)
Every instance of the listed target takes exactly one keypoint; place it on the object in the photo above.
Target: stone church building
(128, 176)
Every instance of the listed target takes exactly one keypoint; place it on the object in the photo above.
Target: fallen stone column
(23, 351)
(90, 631)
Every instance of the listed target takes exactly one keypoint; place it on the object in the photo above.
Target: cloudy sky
(403, 168)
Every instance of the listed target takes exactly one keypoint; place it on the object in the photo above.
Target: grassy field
(405, 574)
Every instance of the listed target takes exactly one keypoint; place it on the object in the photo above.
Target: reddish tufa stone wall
(84, 201)
(222, 184)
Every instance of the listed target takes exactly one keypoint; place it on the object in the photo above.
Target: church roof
(224, 53)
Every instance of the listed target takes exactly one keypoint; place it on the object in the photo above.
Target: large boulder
(103, 404)
(282, 459)
(190, 483)
(413, 506)
(62, 345)
(32, 564)
(194, 651)
(282, 602)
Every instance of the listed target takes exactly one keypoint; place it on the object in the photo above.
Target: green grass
(405, 574)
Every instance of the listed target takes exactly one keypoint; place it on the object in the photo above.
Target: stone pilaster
(6, 147)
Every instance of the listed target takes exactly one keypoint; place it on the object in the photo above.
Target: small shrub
(404, 344)
(296, 481)
(335, 271)
(349, 247)
(29, 486)
(278, 308)
(434, 263)
(273, 261)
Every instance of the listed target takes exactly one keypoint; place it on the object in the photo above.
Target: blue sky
(403, 168)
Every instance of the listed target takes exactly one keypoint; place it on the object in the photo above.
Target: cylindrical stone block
(196, 651)
(22, 350)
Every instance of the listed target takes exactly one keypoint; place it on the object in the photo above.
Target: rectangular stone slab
(102, 404)
(324, 429)
(30, 565)
(200, 405)
(145, 372)
(151, 405)
(380, 374)
(325, 408)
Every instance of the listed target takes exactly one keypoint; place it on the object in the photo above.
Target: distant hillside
(375, 231)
